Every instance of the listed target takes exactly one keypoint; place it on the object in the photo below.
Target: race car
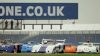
(7, 46)
(70, 49)
(87, 48)
(27, 47)
(49, 46)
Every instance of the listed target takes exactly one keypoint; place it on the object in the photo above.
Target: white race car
(87, 48)
(49, 46)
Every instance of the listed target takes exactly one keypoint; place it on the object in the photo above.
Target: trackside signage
(39, 11)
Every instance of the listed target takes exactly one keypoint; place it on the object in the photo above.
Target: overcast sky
(89, 10)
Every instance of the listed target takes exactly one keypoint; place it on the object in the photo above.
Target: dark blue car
(7, 48)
